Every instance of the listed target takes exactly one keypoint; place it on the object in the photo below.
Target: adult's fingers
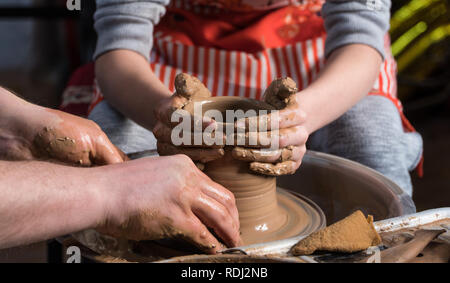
(292, 153)
(215, 216)
(223, 196)
(195, 232)
(107, 153)
(282, 168)
(196, 154)
(122, 154)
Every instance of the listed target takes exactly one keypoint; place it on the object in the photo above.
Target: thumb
(279, 92)
(107, 153)
(190, 87)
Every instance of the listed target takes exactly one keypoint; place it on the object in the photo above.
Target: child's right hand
(188, 88)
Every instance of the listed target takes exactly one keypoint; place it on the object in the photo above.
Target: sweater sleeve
(357, 21)
(127, 24)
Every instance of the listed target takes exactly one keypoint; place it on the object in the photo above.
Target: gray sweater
(128, 24)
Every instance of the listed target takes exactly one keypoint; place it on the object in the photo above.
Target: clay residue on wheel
(351, 234)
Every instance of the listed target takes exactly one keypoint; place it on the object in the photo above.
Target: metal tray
(281, 247)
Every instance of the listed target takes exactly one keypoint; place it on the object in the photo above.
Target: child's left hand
(285, 125)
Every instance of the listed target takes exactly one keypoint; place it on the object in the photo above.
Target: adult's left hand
(47, 134)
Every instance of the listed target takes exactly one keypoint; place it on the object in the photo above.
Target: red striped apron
(236, 51)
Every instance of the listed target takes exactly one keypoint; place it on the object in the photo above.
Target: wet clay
(189, 86)
(278, 169)
(73, 140)
(264, 215)
(279, 92)
(351, 234)
(141, 226)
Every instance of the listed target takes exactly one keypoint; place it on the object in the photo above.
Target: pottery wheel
(297, 216)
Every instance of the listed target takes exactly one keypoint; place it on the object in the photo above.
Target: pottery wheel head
(296, 216)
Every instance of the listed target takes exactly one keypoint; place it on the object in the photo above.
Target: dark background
(42, 43)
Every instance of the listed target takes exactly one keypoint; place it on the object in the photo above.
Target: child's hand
(286, 126)
(188, 89)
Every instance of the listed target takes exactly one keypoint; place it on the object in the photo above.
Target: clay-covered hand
(169, 197)
(285, 126)
(47, 134)
(187, 90)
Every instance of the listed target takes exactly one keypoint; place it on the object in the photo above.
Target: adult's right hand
(169, 197)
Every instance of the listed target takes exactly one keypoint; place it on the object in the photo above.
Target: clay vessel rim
(222, 101)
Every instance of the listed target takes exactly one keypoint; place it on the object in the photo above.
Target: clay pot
(264, 214)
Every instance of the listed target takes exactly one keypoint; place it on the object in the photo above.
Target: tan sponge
(351, 234)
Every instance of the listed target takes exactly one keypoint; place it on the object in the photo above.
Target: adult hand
(46, 134)
(169, 197)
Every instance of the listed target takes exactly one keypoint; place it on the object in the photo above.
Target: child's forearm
(347, 77)
(130, 86)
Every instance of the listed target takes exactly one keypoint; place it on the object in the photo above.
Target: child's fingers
(187, 89)
(190, 87)
(279, 91)
(280, 94)
(275, 139)
(288, 117)
(185, 138)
